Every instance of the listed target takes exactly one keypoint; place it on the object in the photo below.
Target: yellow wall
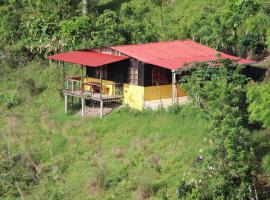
(162, 91)
(108, 84)
(133, 96)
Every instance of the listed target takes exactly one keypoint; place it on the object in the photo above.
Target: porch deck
(93, 96)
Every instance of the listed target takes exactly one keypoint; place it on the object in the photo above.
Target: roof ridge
(149, 43)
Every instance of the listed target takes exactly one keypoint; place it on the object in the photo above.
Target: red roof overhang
(87, 58)
(174, 55)
(177, 63)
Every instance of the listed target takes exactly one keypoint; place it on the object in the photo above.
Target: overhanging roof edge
(87, 58)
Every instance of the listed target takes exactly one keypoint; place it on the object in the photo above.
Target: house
(139, 75)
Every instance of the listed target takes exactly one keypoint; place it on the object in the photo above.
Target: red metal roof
(87, 58)
(175, 54)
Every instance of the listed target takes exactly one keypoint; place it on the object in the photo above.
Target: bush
(146, 186)
(19, 173)
(175, 109)
(227, 170)
(34, 90)
(10, 100)
(14, 56)
(266, 164)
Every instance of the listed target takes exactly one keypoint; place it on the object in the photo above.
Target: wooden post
(67, 84)
(81, 83)
(66, 103)
(83, 102)
(64, 76)
(100, 92)
(72, 90)
(174, 88)
(101, 109)
(72, 85)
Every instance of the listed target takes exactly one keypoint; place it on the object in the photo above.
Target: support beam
(66, 103)
(72, 86)
(81, 82)
(67, 87)
(83, 103)
(174, 88)
(101, 86)
(72, 90)
(101, 109)
(100, 92)
(64, 75)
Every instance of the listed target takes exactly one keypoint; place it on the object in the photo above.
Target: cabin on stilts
(141, 75)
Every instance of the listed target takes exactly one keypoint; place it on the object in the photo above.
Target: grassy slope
(125, 155)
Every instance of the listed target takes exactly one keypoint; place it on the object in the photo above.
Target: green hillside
(127, 155)
(46, 154)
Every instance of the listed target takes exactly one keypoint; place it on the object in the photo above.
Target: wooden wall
(137, 72)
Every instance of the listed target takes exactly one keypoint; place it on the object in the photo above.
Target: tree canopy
(34, 29)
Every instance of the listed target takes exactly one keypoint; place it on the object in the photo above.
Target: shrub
(175, 109)
(227, 170)
(10, 100)
(14, 56)
(266, 163)
(145, 187)
(32, 87)
(18, 172)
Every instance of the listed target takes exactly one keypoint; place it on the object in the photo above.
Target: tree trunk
(85, 6)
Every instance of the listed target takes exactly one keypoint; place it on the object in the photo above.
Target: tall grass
(126, 155)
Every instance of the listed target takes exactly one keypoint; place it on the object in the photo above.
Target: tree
(160, 4)
(89, 6)
(239, 27)
(138, 26)
(259, 103)
(108, 30)
(226, 169)
(77, 32)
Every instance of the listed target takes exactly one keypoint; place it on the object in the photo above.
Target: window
(160, 76)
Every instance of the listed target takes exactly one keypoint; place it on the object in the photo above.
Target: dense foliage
(34, 29)
(78, 158)
(226, 169)
(18, 173)
(259, 98)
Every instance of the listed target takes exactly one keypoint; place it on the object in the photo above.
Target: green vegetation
(227, 169)
(259, 96)
(128, 154)
(34, 29)
(222, 147)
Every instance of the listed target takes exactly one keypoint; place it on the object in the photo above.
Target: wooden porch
(78, 87)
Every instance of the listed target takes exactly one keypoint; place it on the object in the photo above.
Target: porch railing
(74, 84)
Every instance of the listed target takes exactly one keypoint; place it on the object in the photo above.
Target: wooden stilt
(66, 103)
(72, 86)
(64, 75)
(101, 109)
(83, 102)
(67, 86)
(174, 88)
(72, 90)
(82, 79)
(100, 92)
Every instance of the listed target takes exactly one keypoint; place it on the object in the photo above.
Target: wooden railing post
(83, 102)
(64, 76)
(67, 84)
(72, 86)
(66, 103)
